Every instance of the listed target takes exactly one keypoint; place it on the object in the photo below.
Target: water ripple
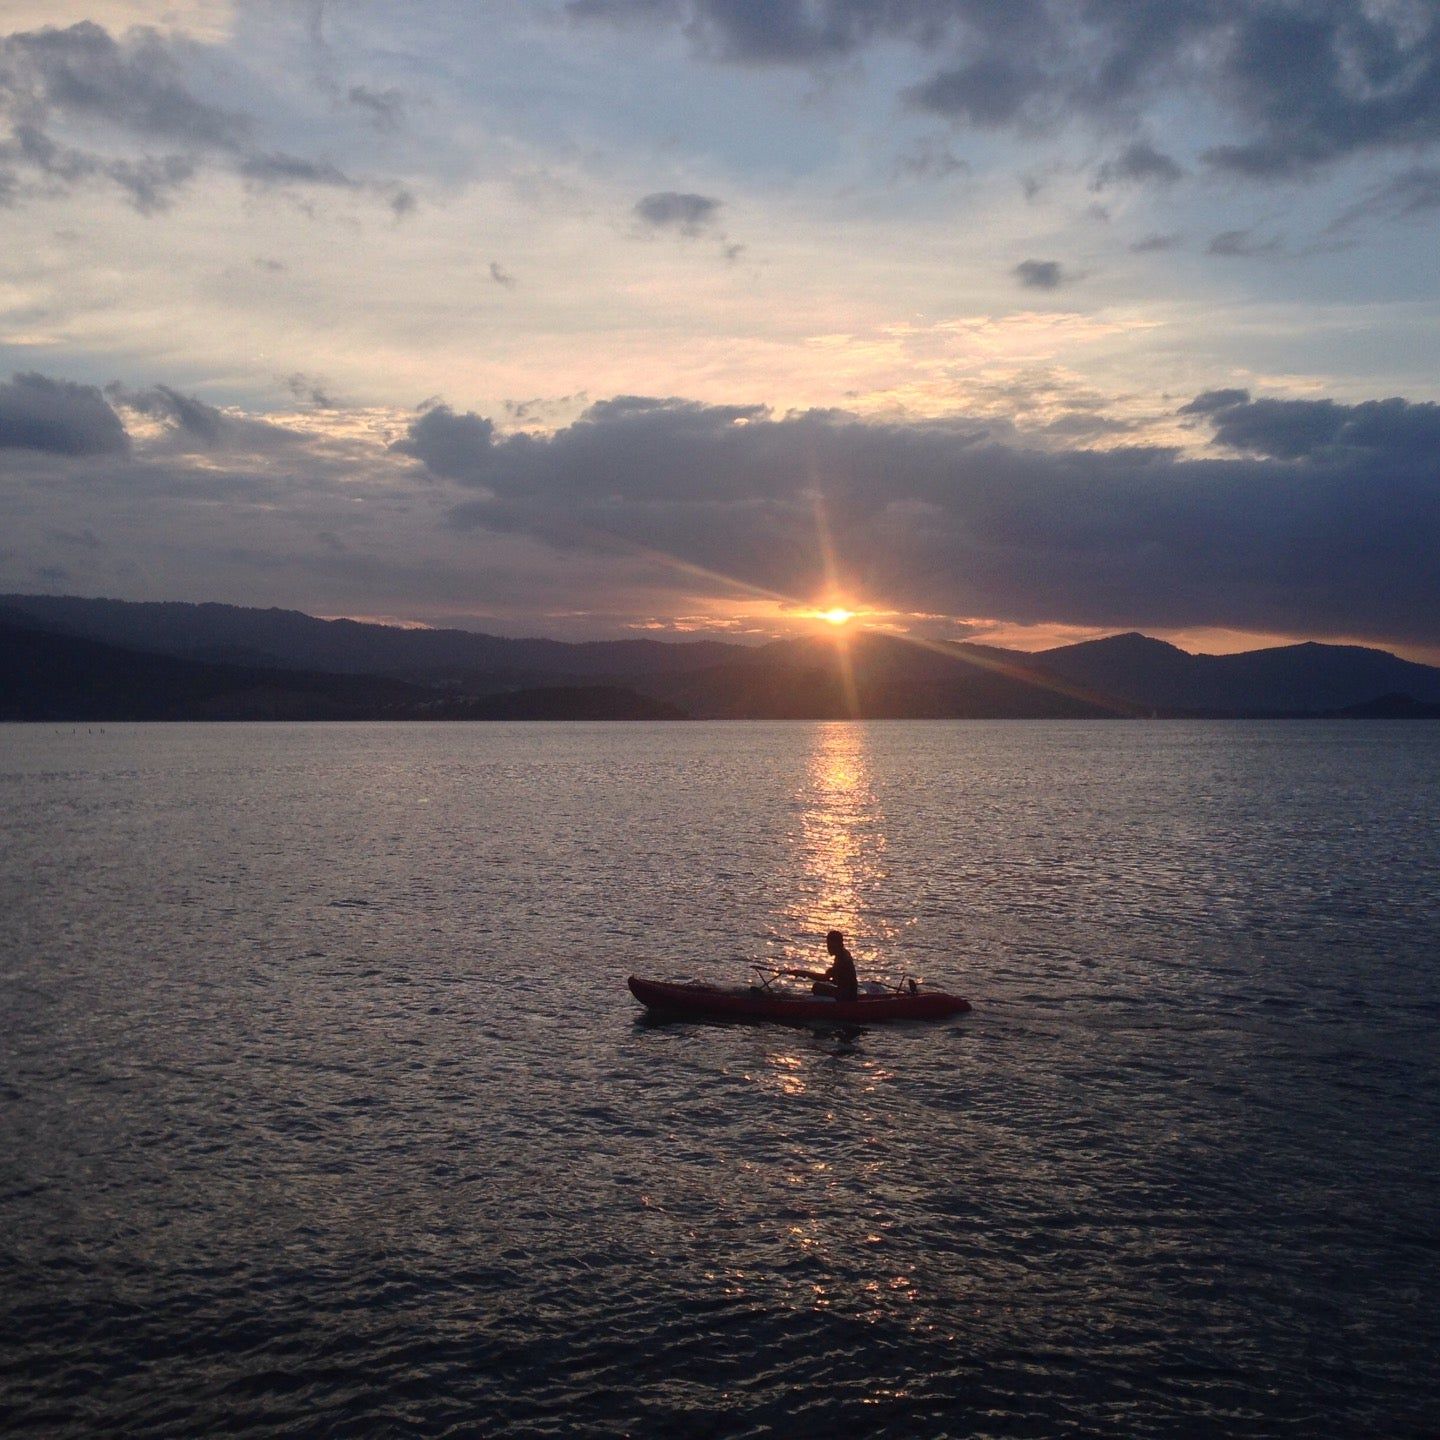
(326, 1111)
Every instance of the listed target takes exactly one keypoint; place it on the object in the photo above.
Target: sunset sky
(993, 319)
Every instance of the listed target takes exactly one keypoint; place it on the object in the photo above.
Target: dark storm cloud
(59, 417)
(1328, 523)
(1299, 86)
(689, 215)
(139, 88)
(1041, 274)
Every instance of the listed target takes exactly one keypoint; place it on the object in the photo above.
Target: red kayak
(760, 1002)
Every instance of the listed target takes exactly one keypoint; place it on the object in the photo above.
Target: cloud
(1137, 164)
(384, 108)
(309, 391)
(1307, 516)
(1405, 432)
(456, 447)
(195, 425)
(927, 159)
(683, 214)
(989, 93)
(1086, 425)
(400, 198)
(81, 75)
(280, 169)
(137, 85)
(61, 86)
(690, 216)
(1298, 87)
(1415, 192)
(1211, 402)
(1319, 83)
(149, 182)
(766, 32)
(545, 410)
(58, 417)
(1412, 193)
(1041, 274)
(501, 276)
(1328, 524)
(1151, 244)
(184, 521)
(1241, 245)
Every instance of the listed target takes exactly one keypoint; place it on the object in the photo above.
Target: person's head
(834, 942)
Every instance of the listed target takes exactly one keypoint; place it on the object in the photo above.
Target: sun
(837, 616)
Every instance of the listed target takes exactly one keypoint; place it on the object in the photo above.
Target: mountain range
(72, 658)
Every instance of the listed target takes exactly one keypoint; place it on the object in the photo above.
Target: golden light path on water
(841, 843)
(840, 882)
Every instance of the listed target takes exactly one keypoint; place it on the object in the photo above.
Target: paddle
(767, 973)
(771, 972)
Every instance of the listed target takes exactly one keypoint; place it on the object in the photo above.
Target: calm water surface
(326, 1111)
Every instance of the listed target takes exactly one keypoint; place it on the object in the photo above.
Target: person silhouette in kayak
(839, 980)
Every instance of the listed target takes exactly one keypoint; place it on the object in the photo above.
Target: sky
(1009, 320)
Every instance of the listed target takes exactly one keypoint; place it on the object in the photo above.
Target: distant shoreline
(71, 660)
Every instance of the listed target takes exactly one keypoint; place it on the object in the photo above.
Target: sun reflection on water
(842, 834)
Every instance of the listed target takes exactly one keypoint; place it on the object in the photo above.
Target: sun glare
(837, 616)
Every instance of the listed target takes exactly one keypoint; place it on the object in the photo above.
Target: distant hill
(879, 677)
(48, 676)
(562, 702)
(1391, 707)
(1284, 680)
(119, 659)
(288, 639)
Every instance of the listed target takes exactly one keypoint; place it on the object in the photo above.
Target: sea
(325, 1110)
